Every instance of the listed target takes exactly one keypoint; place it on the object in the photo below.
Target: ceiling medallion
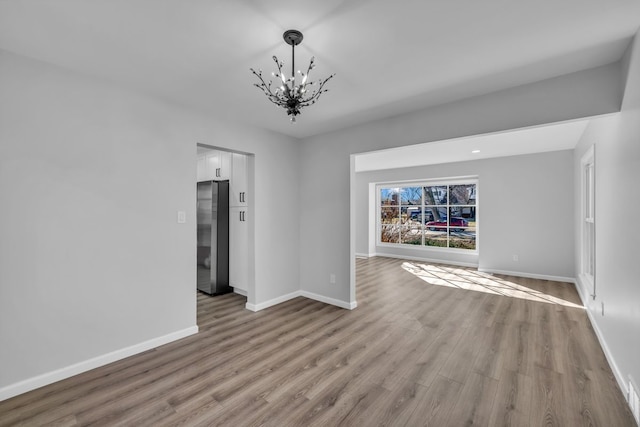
(289, 95)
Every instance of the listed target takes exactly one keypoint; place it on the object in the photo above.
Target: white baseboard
(359, 255)
(272, 302)
(529, 275)
(78, 368)
(292, 295)
(582, 293)
(584, 297)
(342, 304)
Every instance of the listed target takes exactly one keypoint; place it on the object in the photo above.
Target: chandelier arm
(279, 65)
(312, 99)
(273, 97)
(316, 94)
(311, 65)
(263, 85)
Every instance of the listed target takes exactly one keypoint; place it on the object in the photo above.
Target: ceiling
(539, 139)
(389, 57)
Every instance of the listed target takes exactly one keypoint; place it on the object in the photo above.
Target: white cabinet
(238, 230)
(214, 165)
(220, 165)
(238, 244)
(238, 181)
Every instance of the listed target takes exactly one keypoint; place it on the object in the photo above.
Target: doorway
(219, 164)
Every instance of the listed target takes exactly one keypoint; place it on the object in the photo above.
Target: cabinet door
(238, 244)
(212, 165)
(238, 181)
(224, 165)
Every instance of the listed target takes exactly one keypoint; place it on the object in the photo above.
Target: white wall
(326, 168)
(93, 265)
(617, 162)
(525, 208)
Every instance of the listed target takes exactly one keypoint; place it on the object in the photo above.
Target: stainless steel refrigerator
(213, 237)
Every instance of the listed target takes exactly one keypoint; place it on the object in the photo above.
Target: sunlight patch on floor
(474, 280)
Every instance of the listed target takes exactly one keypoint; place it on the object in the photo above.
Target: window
(428, 214)
(588, 223)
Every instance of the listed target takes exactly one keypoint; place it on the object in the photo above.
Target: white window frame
(422, 183)
(588, 221)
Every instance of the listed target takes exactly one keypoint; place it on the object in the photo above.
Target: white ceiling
(562, 136)
(389, 56)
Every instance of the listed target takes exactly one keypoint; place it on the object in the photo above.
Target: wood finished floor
(428, 345)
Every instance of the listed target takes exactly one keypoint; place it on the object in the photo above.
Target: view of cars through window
(443, 215)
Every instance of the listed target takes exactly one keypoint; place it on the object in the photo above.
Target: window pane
(437, 217)
(389, 197)
(466, 212)
(417, 216)
(435, 195)
(463, 194)
(462, 231)
(411, 195)
(435, 236)
(411, 235)
(462, 241)
(389, 234)
(588, 191)
(589, 249)
(405, 215)
(456, 221)
(389, 215)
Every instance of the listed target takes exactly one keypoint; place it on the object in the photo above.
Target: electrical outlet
(182, 217)
(332, 279)
(515, 258)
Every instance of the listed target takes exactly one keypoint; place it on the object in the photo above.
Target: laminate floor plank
(512, 404)
(518, 347)
(549, 407)
(426, 367)
(397, 407)
(436, 403)
(354, 407)
(475, 401)
(428, 345)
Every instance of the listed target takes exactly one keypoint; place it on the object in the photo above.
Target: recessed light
(475, 151)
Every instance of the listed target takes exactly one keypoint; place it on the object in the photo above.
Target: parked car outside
(455, 224)
(417, 216)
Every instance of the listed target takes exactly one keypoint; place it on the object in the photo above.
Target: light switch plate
(182, 217)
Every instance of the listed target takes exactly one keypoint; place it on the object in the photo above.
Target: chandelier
(289, 95)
